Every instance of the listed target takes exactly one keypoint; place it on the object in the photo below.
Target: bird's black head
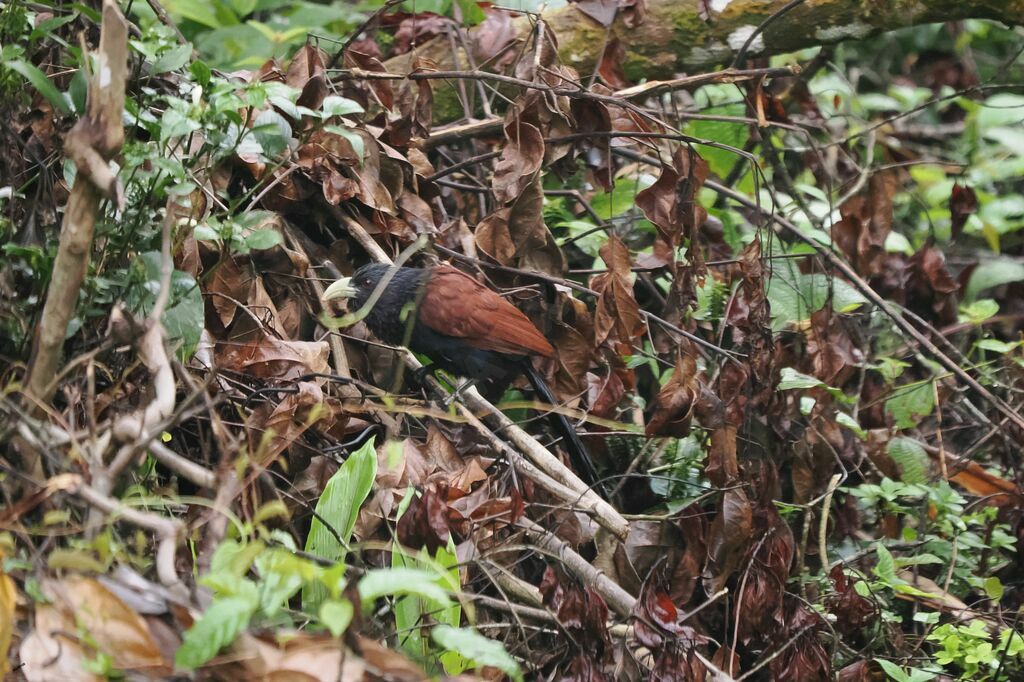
(398, 288)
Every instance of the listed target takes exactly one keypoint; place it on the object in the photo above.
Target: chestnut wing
(457, 305)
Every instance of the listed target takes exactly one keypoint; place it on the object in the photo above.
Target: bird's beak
(341, 289)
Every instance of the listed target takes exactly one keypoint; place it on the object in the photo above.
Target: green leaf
(235, 558)
(340, 106)
(380, 582)
(47, 27)
(911, 458)
(885, 569)
(260, 240)
(849, 422)
(201, 71)
(790, 378)
(993, 588)
(243, 8)
(795, 296)
(336, 615)
(217, 628)
(471, 12)
(979, 311)
(473, 646)
(909, 404)
(211, 14)
(721, 161)
(410, 610)
(996, 346)
(173, 59)
(183, 318)
(273, 132)
(621, 198)
(339, 505)
(41, 83)
(282, 573)
(993, 273)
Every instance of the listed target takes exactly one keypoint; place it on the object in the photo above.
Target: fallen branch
(620, 601)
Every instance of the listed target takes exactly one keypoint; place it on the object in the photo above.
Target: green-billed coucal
(462, 326)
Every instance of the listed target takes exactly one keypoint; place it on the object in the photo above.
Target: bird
(462, 326)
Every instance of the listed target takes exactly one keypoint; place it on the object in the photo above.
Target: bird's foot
(457, 393)
(420, 375)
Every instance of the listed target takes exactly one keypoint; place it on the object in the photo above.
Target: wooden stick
(93, 140)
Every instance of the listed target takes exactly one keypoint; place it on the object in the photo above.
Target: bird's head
(358, 287)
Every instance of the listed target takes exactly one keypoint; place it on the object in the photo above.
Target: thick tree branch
(674, 38)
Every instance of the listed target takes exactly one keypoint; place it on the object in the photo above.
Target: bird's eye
(367, 282)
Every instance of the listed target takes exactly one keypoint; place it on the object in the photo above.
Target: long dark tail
(581, 461)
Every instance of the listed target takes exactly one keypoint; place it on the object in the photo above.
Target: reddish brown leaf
(672, 408)
(728, 539)
(272, 429)
(425, 522)
(852, 611)
(518, 236)
(582, 612)
(962, 203)
(307, 74)
(520, 160)
(862, 671)
(617, 317)
(493, 35)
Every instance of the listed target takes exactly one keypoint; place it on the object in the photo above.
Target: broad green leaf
(996, 346)
(336, 615)
(473, 646)
(340, 106)
(979, 311)
(282, 573)
(339, 505)
(380, 582)
(795, 296)
(41, 83)
(992, 274)
(273, 132)
(235, 558)
(621, 198)
(217, 628)
(885, 569)
(172, 59)
(849, 422)
(260, 240)
(410, 610)
(212, 14)
(911, 458)
(908, 405)
(471, 12)
(183, 318)
(721, 161)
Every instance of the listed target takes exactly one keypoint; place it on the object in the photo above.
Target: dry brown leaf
(229, 285)
(272, 429)
(8, 601)
(270, 358)
(116, 629)
(617, 317)
(51, 653)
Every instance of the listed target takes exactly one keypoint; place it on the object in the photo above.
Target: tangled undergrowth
(786, 322)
